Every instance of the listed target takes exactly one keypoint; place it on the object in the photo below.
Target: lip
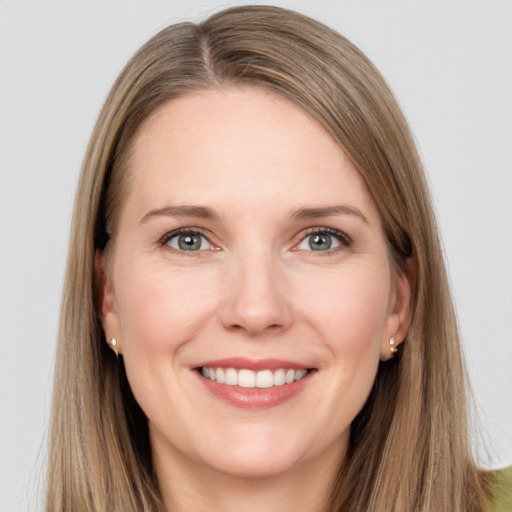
(254, 398)
(252, 364)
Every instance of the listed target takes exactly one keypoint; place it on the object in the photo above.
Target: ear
(399, 316)
(106, 299)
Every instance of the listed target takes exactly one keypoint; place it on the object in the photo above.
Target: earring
(112, 344)
(392, 347)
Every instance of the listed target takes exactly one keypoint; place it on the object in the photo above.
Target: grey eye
(189, 242)
(320, 242)
(323, 240)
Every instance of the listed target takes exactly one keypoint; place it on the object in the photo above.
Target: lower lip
(256, 398)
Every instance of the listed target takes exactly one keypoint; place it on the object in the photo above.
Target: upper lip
(252, 364)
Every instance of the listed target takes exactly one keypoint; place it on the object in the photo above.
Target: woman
(256, 311)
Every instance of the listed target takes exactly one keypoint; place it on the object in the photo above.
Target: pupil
(319, 242)
(189, 242)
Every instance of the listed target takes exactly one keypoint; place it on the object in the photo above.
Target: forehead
(244, 144)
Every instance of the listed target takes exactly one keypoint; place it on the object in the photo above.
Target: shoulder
(501, 488)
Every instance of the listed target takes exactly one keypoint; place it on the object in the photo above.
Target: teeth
(250, 379)
(231, 377)
(219, 375)
(246, 379)
(300, 374)
(264, 379)
(279, 377)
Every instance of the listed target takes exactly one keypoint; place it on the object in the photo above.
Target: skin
(255, 289)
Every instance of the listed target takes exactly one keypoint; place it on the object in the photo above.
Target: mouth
(254, 384)
(245, 378)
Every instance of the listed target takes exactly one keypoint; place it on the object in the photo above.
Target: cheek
(346, 312)
(160, 311)
(348, 307)
(160, 308)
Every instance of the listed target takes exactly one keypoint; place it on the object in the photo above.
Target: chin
(247, 453)
(254, 467)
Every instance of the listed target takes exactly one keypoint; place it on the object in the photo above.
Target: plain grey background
(450, 65)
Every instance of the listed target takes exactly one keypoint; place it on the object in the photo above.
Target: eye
(187, 240)
(322, 240)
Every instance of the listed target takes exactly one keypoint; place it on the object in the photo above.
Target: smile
(254, 383)
(245, 378)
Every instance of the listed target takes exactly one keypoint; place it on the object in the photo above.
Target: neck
(187, 485)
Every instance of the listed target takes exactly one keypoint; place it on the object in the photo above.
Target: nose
(256, 300)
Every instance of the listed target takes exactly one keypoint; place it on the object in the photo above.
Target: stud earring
(392, 347)
(112, 344)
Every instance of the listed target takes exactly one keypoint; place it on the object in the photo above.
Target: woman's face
(248, 254)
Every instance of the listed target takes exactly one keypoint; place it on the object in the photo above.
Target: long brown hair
(409, 447)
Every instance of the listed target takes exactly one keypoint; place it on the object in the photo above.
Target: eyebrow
(328, 211)
(202, 212)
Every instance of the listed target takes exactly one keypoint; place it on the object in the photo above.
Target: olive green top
(501, 487)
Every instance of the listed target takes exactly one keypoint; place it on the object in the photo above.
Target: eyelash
(341, 237)
(344, 240)
(180, 232)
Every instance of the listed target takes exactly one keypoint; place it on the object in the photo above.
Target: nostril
(255, 329)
